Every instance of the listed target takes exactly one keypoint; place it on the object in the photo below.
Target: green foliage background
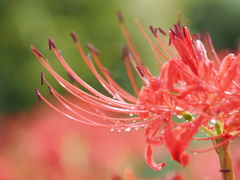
(28, 22)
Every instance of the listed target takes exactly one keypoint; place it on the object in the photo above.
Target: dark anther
(92, 48)
(154, 31)
(37, 52)
(140, 71)
(120, 17)
(184, 32)
(71, 77)
(38, 94)
(107, 71)
(169, 42)
(124, 52)
(74, 36)
(51, 44)
(174, 33)
(50, 90)
(162, 31)
(42, 77)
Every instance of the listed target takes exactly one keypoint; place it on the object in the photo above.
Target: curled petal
(226, 64)
(154, 141)
(176, 144)
(201, 51)
(150, 161)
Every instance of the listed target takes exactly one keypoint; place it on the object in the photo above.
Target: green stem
(225, 160)
(222, 151)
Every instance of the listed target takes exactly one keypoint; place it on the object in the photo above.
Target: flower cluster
(204, 91)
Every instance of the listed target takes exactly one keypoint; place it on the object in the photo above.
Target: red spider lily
(205, 92)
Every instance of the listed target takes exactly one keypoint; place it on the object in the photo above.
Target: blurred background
(38, 143)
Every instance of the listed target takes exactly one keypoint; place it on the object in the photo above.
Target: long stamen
(119, 90)
(152, 44)
(129, 40)
(216, 146)
(72, 89)
(129, 70)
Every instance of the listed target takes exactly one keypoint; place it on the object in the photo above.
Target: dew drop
(130, 114)
(195, 153)
(227, 92)
(179, 116)
(136, 128)
(128, 129)
(214, 121)
(119, 130)
(233, 112)
(112, 129)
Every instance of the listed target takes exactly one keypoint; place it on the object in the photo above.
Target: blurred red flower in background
(205, 93)
(50, 148)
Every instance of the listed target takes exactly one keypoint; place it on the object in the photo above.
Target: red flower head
(204, 91)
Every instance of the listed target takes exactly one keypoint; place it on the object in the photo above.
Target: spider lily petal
(203, 91)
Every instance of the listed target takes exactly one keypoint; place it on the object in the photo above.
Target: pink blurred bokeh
(43, 144)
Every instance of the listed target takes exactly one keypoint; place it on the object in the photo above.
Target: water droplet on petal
(214, 121)
(179, 116)
(128, 129)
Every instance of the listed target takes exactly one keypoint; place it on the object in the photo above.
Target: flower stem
(225, 159)
(222, 151)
